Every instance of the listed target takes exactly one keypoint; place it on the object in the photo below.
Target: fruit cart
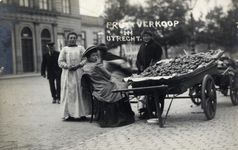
(172, 86)
(176, 86)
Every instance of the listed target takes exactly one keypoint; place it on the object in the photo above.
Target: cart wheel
(195, 94)
(209, 98)
(234, 89)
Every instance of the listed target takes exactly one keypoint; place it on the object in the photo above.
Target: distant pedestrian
(71, 61)
(50, 63)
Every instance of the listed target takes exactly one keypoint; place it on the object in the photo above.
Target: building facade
(27, 25)
(92, 30)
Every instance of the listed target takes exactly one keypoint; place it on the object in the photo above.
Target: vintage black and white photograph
(118, 74)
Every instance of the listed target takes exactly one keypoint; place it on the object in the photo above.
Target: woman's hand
(81, 64)
(73, 68)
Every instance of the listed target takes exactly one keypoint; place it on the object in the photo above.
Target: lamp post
(192, 42)
(100, 36)
(1, 70)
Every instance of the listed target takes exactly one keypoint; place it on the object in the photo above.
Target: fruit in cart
(181, 66)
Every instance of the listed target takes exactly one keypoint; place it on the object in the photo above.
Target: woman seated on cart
(112, 108)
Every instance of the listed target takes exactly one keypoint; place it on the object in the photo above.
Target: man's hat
(102, 47)
(146, 31)
(89, 50)
(50, 43)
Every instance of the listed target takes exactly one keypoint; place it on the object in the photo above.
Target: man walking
(50, 61)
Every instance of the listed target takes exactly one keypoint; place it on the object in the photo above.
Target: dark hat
(102, 47)
(146, 31)
(89, 50)
(50, 43)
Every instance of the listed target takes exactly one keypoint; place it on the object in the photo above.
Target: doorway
(27, 50)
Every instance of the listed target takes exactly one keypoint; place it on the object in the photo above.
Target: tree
(114, 12)
(221, 29)
(229, 29)
(163, 11)
(172, 10)
(210, 32)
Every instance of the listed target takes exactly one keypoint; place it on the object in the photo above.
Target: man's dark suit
(50, 61)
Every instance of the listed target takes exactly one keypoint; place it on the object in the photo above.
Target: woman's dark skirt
(114, 114)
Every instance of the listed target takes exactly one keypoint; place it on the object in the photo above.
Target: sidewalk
(14, 76)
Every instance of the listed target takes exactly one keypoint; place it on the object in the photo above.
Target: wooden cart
(227, 79)
(199, 80)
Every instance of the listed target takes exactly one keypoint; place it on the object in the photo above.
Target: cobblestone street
(28, 120)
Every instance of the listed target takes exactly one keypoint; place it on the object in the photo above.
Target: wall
(16, 17)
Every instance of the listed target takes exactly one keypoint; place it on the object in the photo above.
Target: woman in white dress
(71, 62)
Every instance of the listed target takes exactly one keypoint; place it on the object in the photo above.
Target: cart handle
(142, 88)
(226, 71)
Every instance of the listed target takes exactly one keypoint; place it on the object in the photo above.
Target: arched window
(45, 33)
(26, 33)
(5, 50)
(45, 38)
(27, 50)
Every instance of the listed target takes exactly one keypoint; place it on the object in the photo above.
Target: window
(43, 4)
(6, 1)
(24, 3)
(83, 39)
(65, 6)
(26, 32)
(45, 38)
(95, 38)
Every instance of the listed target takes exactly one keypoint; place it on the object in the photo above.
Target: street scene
(118, 75)
(30, 121)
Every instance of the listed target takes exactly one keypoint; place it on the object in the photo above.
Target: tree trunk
(208, 46)
(166, 51)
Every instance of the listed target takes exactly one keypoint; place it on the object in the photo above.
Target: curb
(26, 75)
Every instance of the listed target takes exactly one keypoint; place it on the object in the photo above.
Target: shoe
(58, 101)
(83, 118)
(54, 101)
(141, 110)
(153, 116)
(144, 115)
(69, 119)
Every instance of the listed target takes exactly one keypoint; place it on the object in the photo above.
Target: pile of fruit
(181, 66)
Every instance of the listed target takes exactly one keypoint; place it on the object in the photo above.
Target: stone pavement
(185, 129)
(29, 121)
